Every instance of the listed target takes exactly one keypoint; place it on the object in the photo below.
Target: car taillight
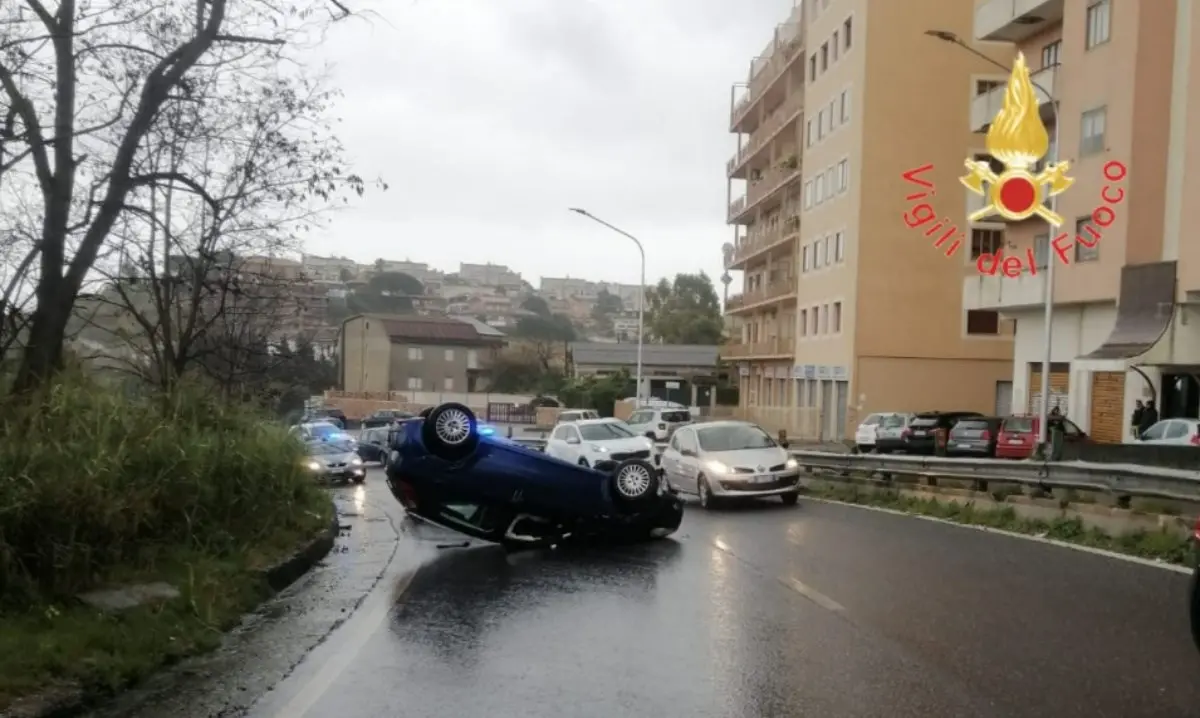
(1196, 438)
(906, 433)
(1196, 530)
(985, 435)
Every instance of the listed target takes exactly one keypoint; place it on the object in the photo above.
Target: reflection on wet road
(818, 610)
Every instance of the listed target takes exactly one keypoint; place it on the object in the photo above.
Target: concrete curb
(69, 701)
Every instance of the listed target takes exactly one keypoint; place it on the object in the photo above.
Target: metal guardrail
(1121, 480)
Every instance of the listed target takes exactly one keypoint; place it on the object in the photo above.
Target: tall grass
(92, 481)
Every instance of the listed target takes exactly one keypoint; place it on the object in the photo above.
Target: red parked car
(1018, 435)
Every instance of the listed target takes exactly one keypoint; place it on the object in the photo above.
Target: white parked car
(726, 459)
(576, 415)
(658, 423)
(589, 441)
(881, 431)
(1173, 431)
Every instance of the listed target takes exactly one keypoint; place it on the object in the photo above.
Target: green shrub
(92, 481)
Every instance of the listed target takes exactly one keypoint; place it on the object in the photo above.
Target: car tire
(359, 479)
(634, 481)
(790, 499)
(450, 431)
(707, 500)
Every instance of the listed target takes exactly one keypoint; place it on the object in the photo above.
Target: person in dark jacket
(1149, 417)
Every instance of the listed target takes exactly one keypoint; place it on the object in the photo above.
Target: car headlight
(599, 448)
(716, 467)
(356, 461)
(313, 466)
(791, 464)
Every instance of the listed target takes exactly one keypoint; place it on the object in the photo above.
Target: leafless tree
(83, 85)
(195, 279)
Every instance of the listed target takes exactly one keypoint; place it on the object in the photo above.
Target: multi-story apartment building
(1121, 80)
(328, 269)
(875, 311)
(492, 275)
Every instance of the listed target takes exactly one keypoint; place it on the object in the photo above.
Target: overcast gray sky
(488, 118)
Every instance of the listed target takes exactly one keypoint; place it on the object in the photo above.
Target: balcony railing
(984, 107)
(765, 185)
(999, 293)
(768, 131)
(781, 287)
(776, 346)
(759, 241)
(766, 76)
(1015, 20)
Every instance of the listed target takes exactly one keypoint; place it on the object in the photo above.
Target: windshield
(971, 425)
(734, 438)
(1019, 425)
(321, 448)
(924, 421)
(601, 432)
(895, 421)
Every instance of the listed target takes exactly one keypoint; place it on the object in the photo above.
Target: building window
(449, 355)
(843, 175)
(828, 249)
(816, 320)
(1041, 250)
(808, 195)
(829, 180)
(846, 28)
(982, 87)
(415, 354)
(836, 318)
(1084, 253)
(1050, 54)
(808, 133)
(414, 383)
(825, 318)
(816, 254)
(839, 247)
(807, 259)
(820, 191)
(834, 44)
(985, 241)
(1091, 134)
(1099, 16)
(812, 67)
(824, 57)
(472, 359)
(821, 124)
(983, 323)
(845, 103)
(448, 384)
(803, 322)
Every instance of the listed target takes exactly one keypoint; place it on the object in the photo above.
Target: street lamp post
(641, 292)
(1048, 313)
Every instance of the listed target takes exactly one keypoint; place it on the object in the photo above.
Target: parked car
(1018, 435)
(889, 435)
(1178, 432)
(331, 416)
(728, 459)
(385, 417)
(444, 471)
(921, 434)
(658, 423)
(373, 444)
(332, 461)
(594, 440)
(885, 425)
(975, 437)
(324, 431)
(576, 415)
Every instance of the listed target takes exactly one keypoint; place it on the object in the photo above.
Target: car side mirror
(572, 440)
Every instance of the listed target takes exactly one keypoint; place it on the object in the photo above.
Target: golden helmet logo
(1018, 139)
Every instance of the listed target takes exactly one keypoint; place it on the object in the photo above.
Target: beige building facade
(1121, 79)
(846, 310)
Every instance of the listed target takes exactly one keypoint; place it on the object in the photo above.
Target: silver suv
(660, 423)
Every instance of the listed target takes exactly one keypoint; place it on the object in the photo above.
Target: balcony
(984, 107)
(771, 348)
(1001, 294)
(757, 243)
(783, 116)
(769, 182)
(1015, 20)
(781, 289)
(766, 74)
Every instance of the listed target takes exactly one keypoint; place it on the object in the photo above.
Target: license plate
(920, 433)
(766, 479)
(1015, 442)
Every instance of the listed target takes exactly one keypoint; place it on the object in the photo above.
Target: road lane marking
(1013, 534)
(812, 594)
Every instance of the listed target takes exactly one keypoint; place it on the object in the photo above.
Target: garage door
(1108, 406)
(1060, 380)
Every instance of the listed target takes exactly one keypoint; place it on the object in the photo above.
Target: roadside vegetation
(99, 488)
(1156, 545)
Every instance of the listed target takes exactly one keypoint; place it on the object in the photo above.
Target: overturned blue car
(443, 470)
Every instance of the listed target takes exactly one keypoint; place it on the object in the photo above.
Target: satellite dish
(727, 247)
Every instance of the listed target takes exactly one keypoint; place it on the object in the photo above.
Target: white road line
(812, 594)
(1014, 534)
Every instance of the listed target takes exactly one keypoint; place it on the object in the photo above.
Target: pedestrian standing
(1149, 417)
(1135, 421)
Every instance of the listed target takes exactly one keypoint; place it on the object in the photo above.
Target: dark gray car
(333, 461)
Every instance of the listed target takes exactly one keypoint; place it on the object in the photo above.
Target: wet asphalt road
(819, 610)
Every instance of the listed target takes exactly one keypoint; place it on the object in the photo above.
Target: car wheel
(707, 500)
(790, 499)
(634, 481)
(359, 479)
(450, 431)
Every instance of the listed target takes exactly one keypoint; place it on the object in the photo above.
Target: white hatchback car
(728, 459)
(1179, 432)
(658, 423)
(591, 441)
